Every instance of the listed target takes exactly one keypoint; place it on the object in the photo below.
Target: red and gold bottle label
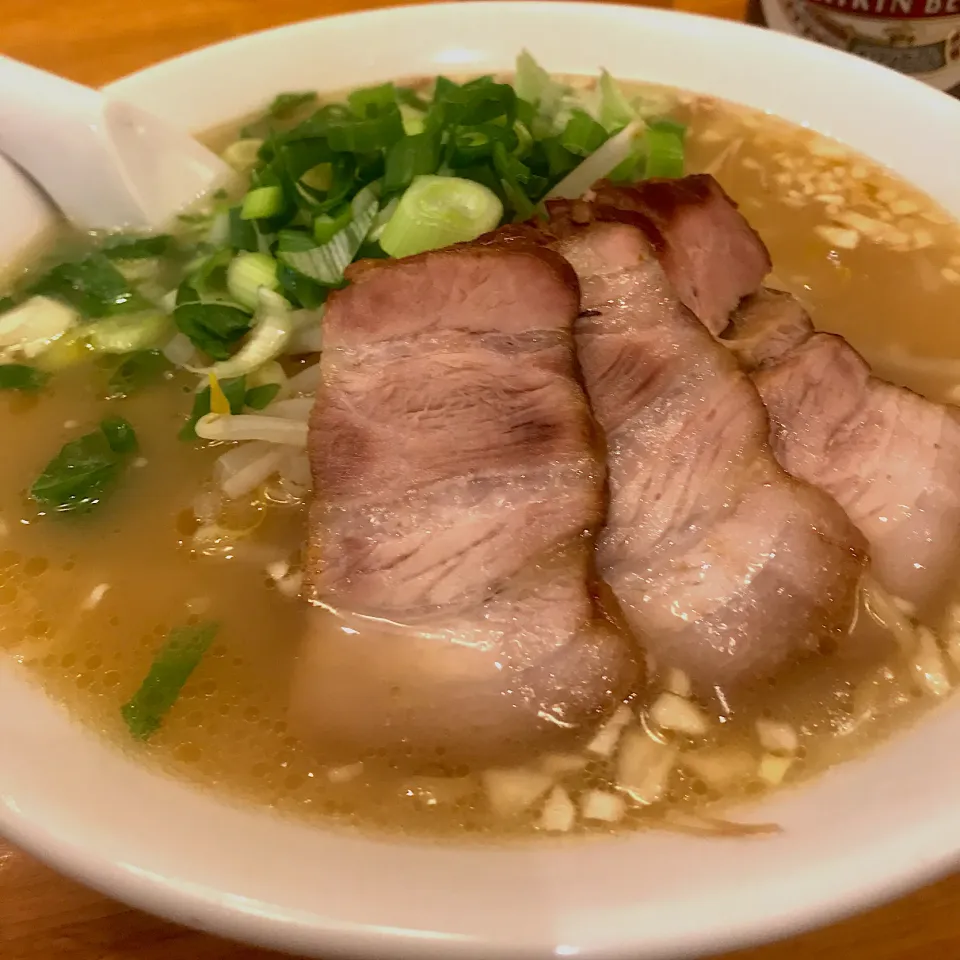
(918, 37)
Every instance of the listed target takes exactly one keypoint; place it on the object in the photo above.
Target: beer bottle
(917, 37)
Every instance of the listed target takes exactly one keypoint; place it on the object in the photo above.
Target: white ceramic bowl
(860, 834)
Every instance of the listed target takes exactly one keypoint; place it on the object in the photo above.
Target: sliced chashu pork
(724, 564)
(890, 457)
(711, 256)
(455, 489)
(887, 455)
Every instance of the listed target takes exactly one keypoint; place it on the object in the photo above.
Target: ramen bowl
(859, 834)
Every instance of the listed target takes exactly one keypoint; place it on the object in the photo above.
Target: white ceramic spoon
(27, 215)
(105, 163)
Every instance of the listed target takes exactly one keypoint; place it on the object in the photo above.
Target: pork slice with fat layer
(890, 457)
(456, 490)
(726, 566)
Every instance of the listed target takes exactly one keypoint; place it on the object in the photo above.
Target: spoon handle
(54, 130)
(105, 163)
(27, 216)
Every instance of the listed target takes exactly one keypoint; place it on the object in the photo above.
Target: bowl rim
(202, 909)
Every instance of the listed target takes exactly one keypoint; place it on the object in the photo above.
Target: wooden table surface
(46, 917)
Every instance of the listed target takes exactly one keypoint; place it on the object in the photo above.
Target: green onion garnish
(388, 171)
(78, 477)
(179, 656)
(286, 103)
(122, 247)
(665, 153)
(93, 286)
(127, 334)
(20, 376)
(327, 262)
(137, 370)
(259, 397)
(214, 328)
(120, 435)
(247, 273)
(437, 211)
(261, 203)
(234, 389)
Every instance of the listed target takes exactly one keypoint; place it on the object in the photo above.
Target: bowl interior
(860, 833)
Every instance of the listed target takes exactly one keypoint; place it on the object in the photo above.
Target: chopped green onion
(407, 97)
(524, 139)
(511, 172)
(381, 220)
(437, 211)
(598, 165)
(371, 250)
(34, 325)
(142, 271)
(261, 203)
(77, 478)
(371, 101)
(128, 334)
(632, 167)
(19, 376)
(242, 155)
(535, 85)
(179, 656)
(241, 233)
(316, 126)
(530, 79)
(285, 104)
(582, 134)
(269, 373)
(414, 119)
(125, 247)
(247, 274)
(367, 135)
(470, 145)
(234, 390)
(615, 111)
(326, 262)
(325, 227)
(477, 102)
(94, 287)
(666, 123)
(319, 177)
(259, 397)
(295, 159)
(214, 328)
(120, 435)
(411, 157)
(138, 370)
(301, 290)
(558, 159)
(206, 277)
(272, 332)
(665, 152)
